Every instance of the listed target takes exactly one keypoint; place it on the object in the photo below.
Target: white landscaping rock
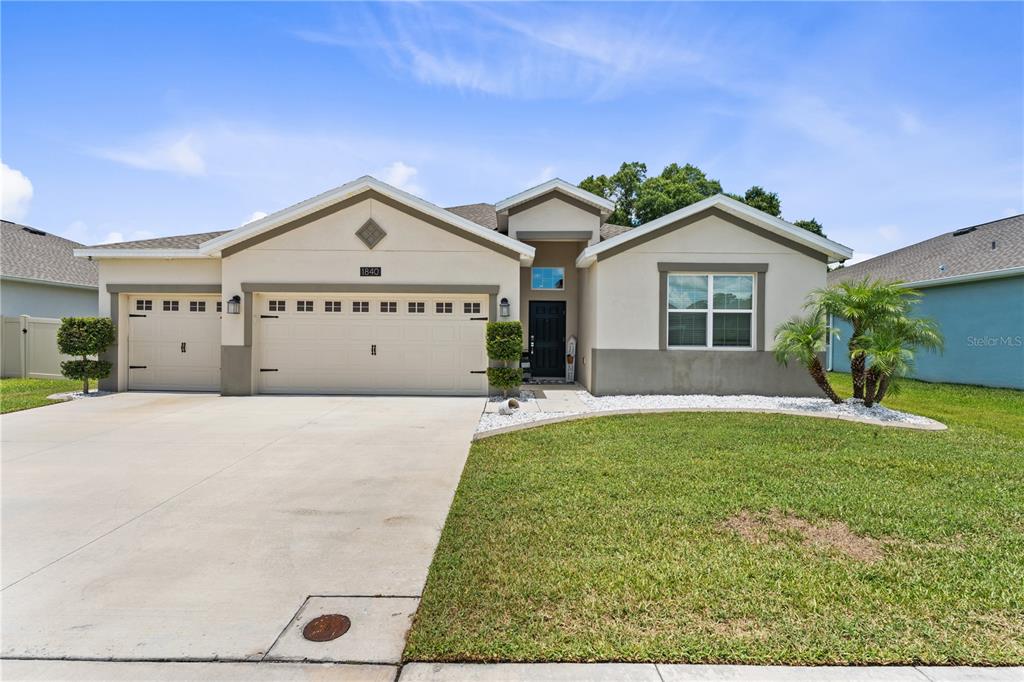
(78, 395)
(853, 410)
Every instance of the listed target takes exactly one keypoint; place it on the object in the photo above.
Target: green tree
(890, 349)
(811, 225)
(504, 344)
(84, 337)
(622, 187)
(763, 200)
(674, 189)
(803, 339)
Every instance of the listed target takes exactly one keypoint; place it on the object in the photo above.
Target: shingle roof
(481, 214)
(179, 241)
(28, 253)
(962, 252)
(609, 230)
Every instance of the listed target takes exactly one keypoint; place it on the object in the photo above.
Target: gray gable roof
(481, 214)
(609, 230)
(180, 241)
(996, 245)
(28, 253)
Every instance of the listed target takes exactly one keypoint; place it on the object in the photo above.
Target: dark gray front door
(547, 338)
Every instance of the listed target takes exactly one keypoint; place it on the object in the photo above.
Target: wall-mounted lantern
(234, 305)
(504, 308)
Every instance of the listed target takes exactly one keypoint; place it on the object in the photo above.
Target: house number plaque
(369, 272)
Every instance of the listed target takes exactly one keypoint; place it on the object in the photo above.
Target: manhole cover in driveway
(327, 627)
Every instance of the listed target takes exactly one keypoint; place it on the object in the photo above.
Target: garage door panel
(373, 352)
(173, 350)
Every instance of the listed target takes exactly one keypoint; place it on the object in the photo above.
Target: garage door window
(389, 306)
(218, 306)
(471, 308)
(360, 306)
(277, 306)
(170, 306)
(332, 306)
(443, 308)
(417, 307)
(143, 305)
(197, 306)
(304, 306)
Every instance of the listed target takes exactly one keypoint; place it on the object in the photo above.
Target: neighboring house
(368, 289)
(972, 282)
(40, 276)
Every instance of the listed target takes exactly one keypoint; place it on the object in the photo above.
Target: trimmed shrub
(504, 348)
(84, 337)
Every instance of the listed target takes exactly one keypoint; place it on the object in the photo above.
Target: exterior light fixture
(504, 307)
(234, 304)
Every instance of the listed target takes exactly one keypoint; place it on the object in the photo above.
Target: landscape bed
(740, 538)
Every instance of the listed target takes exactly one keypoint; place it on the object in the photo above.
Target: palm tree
(890, 350)
(866, 304)
(803, 339)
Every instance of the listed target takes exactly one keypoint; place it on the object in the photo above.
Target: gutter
(957, 279)
(50, 283)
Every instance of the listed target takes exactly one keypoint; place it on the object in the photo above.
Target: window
(389, 306)
(277, 307)
(417, 307)
(218, 306)
(547, 278)
(304, 306)
(197, 306)
(710, 311)
(471, 308)
(360, 306)
(332, 306)
(143, 305)
(170, 306)
(442, 307)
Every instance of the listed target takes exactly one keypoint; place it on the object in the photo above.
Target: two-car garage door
(358, 343)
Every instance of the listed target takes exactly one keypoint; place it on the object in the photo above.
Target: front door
(547, 338)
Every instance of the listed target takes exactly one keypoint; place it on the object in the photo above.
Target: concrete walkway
(148, 526)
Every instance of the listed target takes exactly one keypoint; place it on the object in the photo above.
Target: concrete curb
(932, 426)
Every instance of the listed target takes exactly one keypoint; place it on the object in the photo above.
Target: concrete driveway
(182, 527)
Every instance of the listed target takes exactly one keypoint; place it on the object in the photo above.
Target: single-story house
(369, 289)
(972, 285)
(40, 276)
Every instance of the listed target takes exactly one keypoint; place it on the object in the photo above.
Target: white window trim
(710, 312)
(547, 267)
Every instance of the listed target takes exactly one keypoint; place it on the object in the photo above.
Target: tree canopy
(640, 198)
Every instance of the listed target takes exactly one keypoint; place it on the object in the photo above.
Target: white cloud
(255, 215)
(546, 173)
(401, 175)
(175, 154)
(15, 193)
(135, 235)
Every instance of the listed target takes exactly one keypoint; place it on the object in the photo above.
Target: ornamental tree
(85, 337)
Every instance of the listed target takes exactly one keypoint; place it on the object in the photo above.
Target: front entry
(547, 338)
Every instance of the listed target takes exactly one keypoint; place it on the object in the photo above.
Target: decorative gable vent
(371, 233)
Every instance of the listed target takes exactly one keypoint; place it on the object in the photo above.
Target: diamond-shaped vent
(371, 233)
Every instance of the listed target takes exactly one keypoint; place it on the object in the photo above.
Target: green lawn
(739, 538)
(22, 394)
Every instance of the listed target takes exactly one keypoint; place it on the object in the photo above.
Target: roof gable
(560, 188)
(31, 254)
(736, 212)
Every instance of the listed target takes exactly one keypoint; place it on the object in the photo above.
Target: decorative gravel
(850, 410)
(77, 395)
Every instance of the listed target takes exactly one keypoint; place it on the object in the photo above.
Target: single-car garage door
(397, 344)
(173, 342)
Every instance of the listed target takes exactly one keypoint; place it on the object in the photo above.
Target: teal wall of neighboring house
(45, 300)
(983, 325)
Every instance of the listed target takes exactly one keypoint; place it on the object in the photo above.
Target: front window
(547, 278)
(710, 311)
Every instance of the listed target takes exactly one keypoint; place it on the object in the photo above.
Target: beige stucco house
(368, 289)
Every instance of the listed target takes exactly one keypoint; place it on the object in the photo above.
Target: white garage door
(173, 342)
(415, 345)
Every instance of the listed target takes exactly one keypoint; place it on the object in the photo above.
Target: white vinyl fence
(28, 348)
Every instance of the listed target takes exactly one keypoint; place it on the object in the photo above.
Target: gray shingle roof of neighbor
(28, 253)
(481, 214)
(966, 251)
(609, 230)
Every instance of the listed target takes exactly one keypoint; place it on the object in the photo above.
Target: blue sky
(889, 123)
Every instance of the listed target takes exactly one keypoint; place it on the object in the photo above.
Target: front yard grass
(685, 538)
(22, 394)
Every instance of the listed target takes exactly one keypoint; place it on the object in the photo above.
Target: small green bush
(505, 341)
(82, 337)
(505, 348)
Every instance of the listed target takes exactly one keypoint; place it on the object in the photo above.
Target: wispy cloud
(15, 193)
(402, 176)
(178, 154)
